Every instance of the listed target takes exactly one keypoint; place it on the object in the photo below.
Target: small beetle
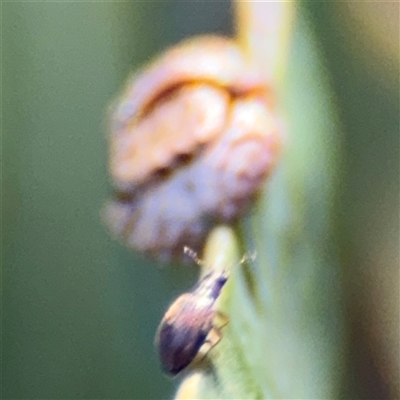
(188, 327)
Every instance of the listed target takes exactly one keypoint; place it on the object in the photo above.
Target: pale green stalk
(285, 338)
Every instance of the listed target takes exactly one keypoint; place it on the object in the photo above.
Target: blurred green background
(79, 311)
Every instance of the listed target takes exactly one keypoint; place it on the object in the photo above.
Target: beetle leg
(213, 338)
(222, 319)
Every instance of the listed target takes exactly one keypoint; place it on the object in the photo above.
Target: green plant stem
(264, 31)
(285, 337)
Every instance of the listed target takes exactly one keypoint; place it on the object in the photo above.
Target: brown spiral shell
(192, 139)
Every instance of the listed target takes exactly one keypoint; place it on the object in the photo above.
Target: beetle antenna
(248, 257)
(193, 255)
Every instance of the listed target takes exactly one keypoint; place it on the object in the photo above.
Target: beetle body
(189, 324)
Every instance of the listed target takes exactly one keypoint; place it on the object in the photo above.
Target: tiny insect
(188, 328)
